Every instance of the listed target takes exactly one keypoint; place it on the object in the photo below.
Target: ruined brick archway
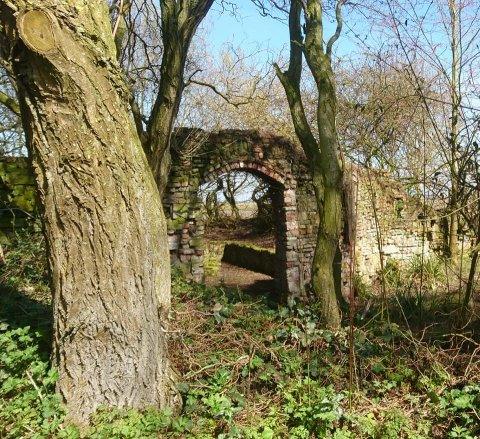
(287, 261)
(199, 158)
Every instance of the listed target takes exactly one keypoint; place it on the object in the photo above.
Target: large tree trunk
(103, 217)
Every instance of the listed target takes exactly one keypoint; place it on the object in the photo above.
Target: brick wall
(378, 208)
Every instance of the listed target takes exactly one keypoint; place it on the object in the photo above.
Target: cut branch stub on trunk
(104, 223)
(36, 31)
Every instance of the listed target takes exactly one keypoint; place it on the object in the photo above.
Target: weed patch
(249, 369)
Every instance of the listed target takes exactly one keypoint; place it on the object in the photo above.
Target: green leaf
(267, 433)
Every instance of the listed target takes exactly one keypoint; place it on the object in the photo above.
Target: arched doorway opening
(244, 237)
(199, 158)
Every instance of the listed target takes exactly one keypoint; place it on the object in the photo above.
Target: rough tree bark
(103, 217)
(326, 166)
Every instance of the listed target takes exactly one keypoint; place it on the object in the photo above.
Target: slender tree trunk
(166, 108)
(323, 270)
(103, 217)
(229, 194)
(331, 170)
(455, 101)
(468, 298)
(326, 166)
(180, 20)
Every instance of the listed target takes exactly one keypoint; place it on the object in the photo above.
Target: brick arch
(404, 233)
(287, 266)
(198, 158)
(264, 171)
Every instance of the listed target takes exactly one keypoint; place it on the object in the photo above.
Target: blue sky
(249, 30)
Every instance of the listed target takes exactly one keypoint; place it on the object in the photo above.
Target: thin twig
(34, 385)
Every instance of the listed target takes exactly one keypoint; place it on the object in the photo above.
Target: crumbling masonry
(382, 218)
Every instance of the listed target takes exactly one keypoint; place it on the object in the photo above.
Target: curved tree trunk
(326, 166)
(180, 20)
(166, 106)
(328, 170)
(103, 217)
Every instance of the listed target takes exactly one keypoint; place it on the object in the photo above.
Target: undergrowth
(250, 369)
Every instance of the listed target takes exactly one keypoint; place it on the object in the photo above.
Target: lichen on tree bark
(104, 222)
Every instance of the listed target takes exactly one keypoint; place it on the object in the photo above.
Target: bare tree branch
(218, 92)
(338, 30)
(10, 103)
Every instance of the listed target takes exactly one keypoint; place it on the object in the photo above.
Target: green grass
(250, 369)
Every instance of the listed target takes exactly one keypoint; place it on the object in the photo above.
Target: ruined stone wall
(383, 219)
(250, 257)
(378, 207)
(387, 223)
(17, 194)
(307, 224)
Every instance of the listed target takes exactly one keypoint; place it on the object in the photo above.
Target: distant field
(247, 210)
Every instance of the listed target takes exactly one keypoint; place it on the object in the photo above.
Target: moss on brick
(17, 195)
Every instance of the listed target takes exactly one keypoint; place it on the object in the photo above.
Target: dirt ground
(246, 280)
(243, 232)
(237, 277)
